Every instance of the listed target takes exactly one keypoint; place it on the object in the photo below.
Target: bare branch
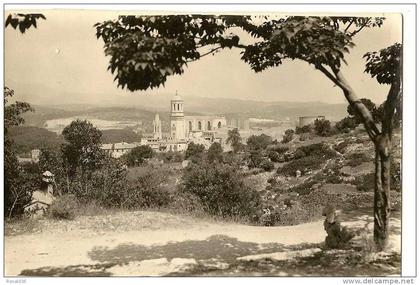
(359, 29)
(349, 25)
(210, 52)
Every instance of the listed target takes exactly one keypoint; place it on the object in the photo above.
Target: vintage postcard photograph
(141, 143)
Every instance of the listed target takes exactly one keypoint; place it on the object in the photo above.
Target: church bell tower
(177, 118)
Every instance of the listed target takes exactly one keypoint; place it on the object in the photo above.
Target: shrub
(182, 202)
(322, 127)
(288, 136)
(356, 159)
(317, 149)
(267, 165)
(259, 142)
(106, 185)
(365, 183)
(346, 124)
(294, 215)
(170, 156)
(149, 190)
(274, 156)
(194, 151)
(306, 136)
(215, 152)
(64, 207)
(303, 188)
(138, 155)
(309, 162)
(299, 154)
(280, 149)
(255, 159)
(221, 190)
(304, 129)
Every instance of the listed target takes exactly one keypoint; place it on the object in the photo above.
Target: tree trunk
(382, 203)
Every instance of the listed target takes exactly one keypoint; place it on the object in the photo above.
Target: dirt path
(147, 251)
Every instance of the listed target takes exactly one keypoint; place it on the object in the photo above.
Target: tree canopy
(145, 50)
(23, 21)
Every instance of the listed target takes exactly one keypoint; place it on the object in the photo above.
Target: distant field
(57, 125)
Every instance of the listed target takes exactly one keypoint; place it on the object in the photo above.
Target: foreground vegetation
(262, 182)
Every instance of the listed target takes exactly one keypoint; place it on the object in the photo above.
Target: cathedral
(183, 129)
(187, 127)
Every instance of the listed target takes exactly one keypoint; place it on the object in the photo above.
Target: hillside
(145, 108)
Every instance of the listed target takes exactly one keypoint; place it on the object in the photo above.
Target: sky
(62, 62)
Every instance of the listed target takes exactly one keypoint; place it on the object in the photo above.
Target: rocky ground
(158, 244)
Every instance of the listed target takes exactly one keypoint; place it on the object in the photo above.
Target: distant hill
(28, 138)
(145, 108)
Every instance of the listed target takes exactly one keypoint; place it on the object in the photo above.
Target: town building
(32, 157)
(183, 130)
(308, 120)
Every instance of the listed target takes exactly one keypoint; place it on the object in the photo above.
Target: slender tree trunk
(13, 206)
(382, 141)
(382, 203)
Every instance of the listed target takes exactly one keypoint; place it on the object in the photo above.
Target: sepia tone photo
(142, 144)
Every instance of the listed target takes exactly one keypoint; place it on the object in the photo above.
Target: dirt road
(182, 245)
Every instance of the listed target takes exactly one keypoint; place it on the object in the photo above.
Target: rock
(185, 163)
(337, 236)
(40, 202)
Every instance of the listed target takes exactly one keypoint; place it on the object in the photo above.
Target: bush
(259, 142)
(267, 165)
(138, 155)
(306, 136)
(274, 156)
(356, 159)
(106, 185)
(255, 159)
(322, 128)
(317, 149)
(288, 136)
(221, 190)
(346, 124)
(64, 207)
(299, 154)
(170, 156)
(309, 162)
(303, 188)
(194, 151)
(365, 183)
(304, 129)
(149, 190)
(215, 152)
(182, 202)
(294, 215)
(280, 149)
